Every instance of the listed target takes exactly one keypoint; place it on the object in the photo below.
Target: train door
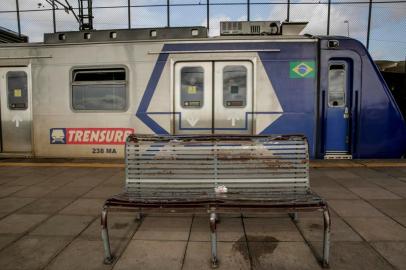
(233, 97)
(213, 97)
(340, 81)
(15, 109)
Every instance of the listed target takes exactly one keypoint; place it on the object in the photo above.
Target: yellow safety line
(313, 164)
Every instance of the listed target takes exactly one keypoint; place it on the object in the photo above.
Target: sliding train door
(233, 97)
(213, 97)
(15, 109)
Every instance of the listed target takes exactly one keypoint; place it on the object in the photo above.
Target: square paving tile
(313, 230)
(401, 220)
(400, 191)
(55, 182)
(282, 255)
(388, 182)
(19, 223)
(228, 229)
(394, 252)
(45, 206)
(103, 192)
(354, 208)
(393, 171)
(33, 192)
(86, 181)
(120, 226)
(378, 228)
(31, 253)
(374, 193)
(230, 255)
(340, 173)
(148, 255)
(6, 179)
(356, 183)
(393, 208)
(91, 207)
(62, 225)
(368, 174)
(7, 190)
(115, 180)
(271, 229)
(323, 181)
(81, 254)
(75, 173)
(68, 192)
(164, 228)
(10, 204)
(6, 239)
(354, 255)
(28, 179)
(334, 193)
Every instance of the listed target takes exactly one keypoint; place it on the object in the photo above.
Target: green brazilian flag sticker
(302, 69)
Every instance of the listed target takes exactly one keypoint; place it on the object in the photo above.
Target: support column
(369, 23)
(18, 18)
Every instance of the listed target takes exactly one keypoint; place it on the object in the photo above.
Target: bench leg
(326, 239)
(213, 238)
(108, 258)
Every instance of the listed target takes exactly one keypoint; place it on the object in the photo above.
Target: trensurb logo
(302, 69)
(110, 136)
(58, 135)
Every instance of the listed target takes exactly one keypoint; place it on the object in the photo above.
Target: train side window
(17, 94)
(99, 89)
(234, 86)
(192, 87)
(336, 85)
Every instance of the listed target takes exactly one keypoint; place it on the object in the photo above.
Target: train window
(17, 90)
(336, 86)
(192, 87)
(99, 89)
(234, 86)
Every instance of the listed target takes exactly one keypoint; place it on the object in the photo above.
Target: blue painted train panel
(379, 131)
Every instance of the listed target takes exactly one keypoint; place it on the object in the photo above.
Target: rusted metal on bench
(217, 173)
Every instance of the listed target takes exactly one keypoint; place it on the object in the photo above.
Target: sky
(388, 24)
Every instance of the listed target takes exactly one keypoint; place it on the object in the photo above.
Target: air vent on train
(261, 28)
(231, 27)
(250, 28)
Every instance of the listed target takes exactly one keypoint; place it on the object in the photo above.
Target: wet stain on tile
(260, 250)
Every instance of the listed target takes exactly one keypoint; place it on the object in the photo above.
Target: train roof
(171, 34)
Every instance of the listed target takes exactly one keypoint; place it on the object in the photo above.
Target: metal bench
(217, 173)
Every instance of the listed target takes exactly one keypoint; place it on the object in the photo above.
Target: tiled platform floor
(49, 219)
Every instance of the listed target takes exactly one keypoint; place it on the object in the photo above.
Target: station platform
(119, 163)
(50, 219)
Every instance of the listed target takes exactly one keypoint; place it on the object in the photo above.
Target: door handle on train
(346, 113)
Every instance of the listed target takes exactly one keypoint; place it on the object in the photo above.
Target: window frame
(345, 69)
(8, 90)
(246, 87)
(126, 82)
(204, 86)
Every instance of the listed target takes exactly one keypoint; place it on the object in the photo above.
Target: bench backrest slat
(201, 163)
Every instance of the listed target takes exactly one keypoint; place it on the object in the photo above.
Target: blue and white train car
(79, 94)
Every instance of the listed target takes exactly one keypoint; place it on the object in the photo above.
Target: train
(79, 94)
